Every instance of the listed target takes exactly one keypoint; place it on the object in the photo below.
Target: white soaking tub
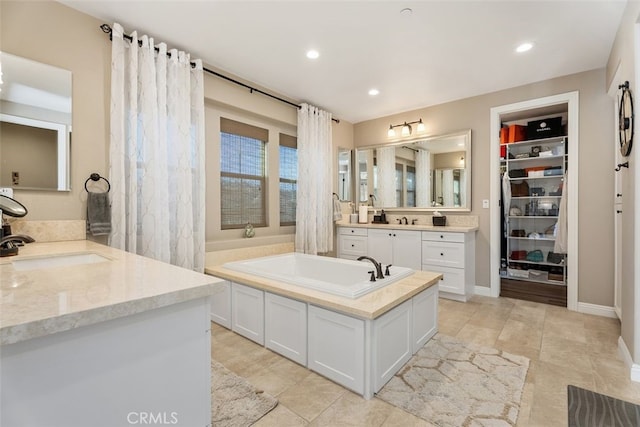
(336, 276)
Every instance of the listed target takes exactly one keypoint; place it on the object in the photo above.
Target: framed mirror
(425, 173)
(35, 125)
(344, 174)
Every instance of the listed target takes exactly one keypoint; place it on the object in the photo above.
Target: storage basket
(538, 275)
(520, 274)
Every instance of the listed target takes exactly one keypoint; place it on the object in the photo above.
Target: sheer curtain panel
(314, 210)
(157, 151)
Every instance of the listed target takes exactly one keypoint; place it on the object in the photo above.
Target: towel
(337, 209)
(98, 214)
(560, 245)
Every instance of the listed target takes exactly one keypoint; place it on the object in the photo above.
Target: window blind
(288, 179)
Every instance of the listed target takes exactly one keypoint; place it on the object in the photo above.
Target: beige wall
(595, 276)
(622, 60)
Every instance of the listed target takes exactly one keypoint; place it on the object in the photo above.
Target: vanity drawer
(352, 245)
(352, 231)
(452, 278)
(444, 236)
(448, 254)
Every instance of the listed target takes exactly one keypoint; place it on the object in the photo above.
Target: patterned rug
(590, 409)
(452, 383)
(235, 402)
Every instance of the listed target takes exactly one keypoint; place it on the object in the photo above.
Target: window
(288, 179)
(242, 174)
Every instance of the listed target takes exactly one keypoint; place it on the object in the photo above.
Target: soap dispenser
(383, 217)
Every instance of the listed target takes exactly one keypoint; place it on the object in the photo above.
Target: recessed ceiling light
(373, 92)
(524, 47)
(313, 54)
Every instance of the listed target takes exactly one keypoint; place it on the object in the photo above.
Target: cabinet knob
(441, 236)
(353, 231)
(394, 234)
(441, 254)
(618, 211)
(619, 195)
(352, 246)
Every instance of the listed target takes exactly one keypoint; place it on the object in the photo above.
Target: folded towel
(337, 209)
(98, 214)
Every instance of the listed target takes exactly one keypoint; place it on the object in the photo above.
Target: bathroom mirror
(35, 125)
(424, 173)
(344, 174)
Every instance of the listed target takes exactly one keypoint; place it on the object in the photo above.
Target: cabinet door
(407, 249)
(336, 347)
(221, 306)
(425, 317)
(247, 312)
(392, 343)
(286, 327)
(380, 245)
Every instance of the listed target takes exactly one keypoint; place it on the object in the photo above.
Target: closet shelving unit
(532, 219)
(529, 228)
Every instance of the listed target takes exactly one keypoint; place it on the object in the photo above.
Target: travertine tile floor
(564, 347)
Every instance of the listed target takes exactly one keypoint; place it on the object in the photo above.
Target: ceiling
(442, 51)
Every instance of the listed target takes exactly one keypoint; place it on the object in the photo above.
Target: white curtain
(386, 159)
(314, 207)
(157, 152)
(447, 187)
(423, 179)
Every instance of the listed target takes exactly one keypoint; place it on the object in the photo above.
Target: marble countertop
(416, 227)
(39, 302)
(368, 306)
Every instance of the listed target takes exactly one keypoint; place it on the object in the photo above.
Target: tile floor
(564, 347)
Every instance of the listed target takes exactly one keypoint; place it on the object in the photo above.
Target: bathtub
(335, 276)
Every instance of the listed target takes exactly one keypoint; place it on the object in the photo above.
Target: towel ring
(96, 177)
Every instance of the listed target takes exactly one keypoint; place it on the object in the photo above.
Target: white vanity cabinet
(453, 255)
(285, 322)
(247, 312)
(396, 247)
(352, 242)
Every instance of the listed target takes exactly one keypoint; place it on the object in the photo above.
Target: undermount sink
(51, 261)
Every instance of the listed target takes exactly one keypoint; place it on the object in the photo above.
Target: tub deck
(370, 306)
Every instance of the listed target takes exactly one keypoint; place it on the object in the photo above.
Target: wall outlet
(485, 204)
(6, 191)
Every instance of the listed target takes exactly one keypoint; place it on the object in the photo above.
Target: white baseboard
(482, 290)
(597, 310)
(634, 368)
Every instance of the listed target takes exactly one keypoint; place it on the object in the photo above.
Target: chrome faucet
(379, 274)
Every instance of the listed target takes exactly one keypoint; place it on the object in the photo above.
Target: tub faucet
(379, 274)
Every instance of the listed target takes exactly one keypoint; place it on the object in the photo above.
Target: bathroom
(79, 46)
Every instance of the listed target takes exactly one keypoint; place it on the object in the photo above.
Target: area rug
(590, 409)
(235, 402)
(452, 383)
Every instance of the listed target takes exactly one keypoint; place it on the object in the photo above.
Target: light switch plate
(485, 204)
(6, 191)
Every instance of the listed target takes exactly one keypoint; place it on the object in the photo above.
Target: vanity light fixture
(374, 92)
(406, 128)
(313, 54)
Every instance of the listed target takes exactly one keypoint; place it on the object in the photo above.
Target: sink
(52, 261)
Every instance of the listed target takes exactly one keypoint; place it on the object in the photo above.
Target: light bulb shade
(420, 127)
(406, 130)
(391, 133)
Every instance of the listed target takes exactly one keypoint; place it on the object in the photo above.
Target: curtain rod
(107, 30)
